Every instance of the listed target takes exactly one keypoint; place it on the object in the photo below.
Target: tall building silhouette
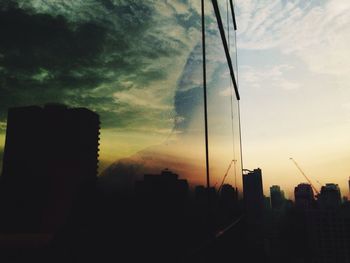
(277, 197)
(49, 166)
(165, 187)
(330, 196)
(253, 193)
(228, 193)
(304, 196)
(329, 228)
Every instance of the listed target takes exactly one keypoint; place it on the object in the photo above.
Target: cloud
(42, 57)
(136, 63)
(316, 32)
(119, 58)
(269, 24)
(226, 92)
(267, 77)
(141, 98)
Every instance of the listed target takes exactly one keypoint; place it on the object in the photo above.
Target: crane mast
(228, 169)
(302, 172)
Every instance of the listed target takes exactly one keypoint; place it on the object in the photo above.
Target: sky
(138, 64)
(294, 62)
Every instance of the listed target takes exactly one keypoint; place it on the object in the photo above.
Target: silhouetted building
(228, 193)
(277, 197)
(267, 202)
(329, 234)
(200, 193)
(328, 227)
(49, 166)
(228, 198)
(203, 195)
(253, 193)
(162, 187)
(330, 196)
(304, 196)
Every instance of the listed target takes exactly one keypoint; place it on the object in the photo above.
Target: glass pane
(102, 107)
(223, 106)
(144, 81)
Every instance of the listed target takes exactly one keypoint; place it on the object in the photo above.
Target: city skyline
(293, 100)
(45, 207)
(121, 130)
(293, 63)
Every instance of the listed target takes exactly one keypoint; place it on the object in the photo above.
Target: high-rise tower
(49, 166)
(277, 197)
(330, 196)
(304, 196)
(253, 193)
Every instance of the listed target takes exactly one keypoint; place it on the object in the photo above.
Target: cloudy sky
(294, 65)
(137, 64)
(119, 58)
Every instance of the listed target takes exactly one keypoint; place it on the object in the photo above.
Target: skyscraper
(277, 197)
(49, 166)
(329, 228)
(330, 196)
(164, 187)
(228, 193)
(253, 193)
(304, 196)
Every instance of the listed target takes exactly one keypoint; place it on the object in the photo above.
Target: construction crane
(228, 169)
(302, 172)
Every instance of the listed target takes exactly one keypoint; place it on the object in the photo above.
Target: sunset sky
(294, 66)
(137, 63)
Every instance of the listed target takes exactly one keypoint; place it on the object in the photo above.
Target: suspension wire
(229, 62)
(231, 93)
(238, 102)
(233, 134)
(224, 43)
(205, 100)
(233, 161)
(233, 15)
(231, 100)
(240, 135)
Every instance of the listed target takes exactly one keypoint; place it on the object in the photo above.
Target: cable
(238, 102)
(231, 98)
(205, 98)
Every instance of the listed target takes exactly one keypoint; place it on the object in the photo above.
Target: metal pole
(205, 100)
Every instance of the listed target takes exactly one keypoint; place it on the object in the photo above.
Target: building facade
(277, 197)
(50, 165)
(253, 193)
(304, 196)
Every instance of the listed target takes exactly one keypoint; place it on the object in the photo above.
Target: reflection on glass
(223, 105)
(140, 68)
(119, 85)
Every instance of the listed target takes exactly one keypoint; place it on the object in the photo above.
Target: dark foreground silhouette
(54, 208)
